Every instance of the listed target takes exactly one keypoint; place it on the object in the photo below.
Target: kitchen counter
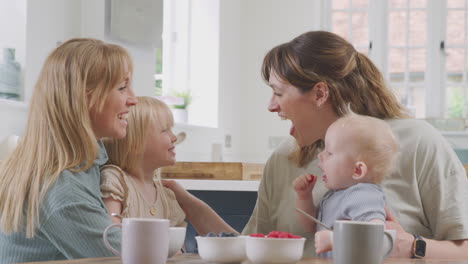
(219, 185)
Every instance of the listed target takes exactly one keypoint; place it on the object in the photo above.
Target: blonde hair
(149, 111)
(374, 141)
(126, 152)
(76, 76)
(352, 78)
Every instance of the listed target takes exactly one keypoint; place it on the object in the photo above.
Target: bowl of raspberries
(275, 247)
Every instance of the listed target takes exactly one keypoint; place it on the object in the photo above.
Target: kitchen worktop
(219, 185)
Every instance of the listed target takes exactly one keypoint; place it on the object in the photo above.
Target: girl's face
(112, 121)
(159, 147)
(309, 118)
(338, 159)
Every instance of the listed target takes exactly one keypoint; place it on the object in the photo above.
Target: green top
(73, 218)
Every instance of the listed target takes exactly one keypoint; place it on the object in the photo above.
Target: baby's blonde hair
(377, 146)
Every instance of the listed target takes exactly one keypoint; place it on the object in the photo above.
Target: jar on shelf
(10, 75)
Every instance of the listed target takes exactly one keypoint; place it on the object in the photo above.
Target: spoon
(180, 138)
(314, 219)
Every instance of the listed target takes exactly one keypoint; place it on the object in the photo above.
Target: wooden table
(195, 259)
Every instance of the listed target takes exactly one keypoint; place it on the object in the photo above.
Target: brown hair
(352, 78)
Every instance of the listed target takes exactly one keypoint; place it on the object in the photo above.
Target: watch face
(419, 248)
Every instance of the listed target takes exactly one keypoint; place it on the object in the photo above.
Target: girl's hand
(404, 241)
(303, 185)
(323, 242)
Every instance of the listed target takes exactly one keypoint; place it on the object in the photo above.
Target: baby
(359, 152)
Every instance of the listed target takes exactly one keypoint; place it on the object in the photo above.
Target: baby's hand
(323, 242)
(304, 184)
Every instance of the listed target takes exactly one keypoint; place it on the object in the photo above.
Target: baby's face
(338, 159)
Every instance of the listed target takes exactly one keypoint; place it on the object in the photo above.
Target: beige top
(428, 192)
(119, 185)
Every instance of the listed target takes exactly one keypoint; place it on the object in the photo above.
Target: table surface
(195, 259)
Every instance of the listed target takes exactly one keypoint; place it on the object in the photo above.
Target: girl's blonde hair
(352, 78)
(76, 76)
(126, 152)
(374, 141)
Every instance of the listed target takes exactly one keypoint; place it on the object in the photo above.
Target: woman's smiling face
(111, 121)
(309, 121)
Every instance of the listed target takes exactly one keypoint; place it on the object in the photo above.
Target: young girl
(130, 183)
(132, 186)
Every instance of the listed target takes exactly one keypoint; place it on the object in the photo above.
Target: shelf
(13, 103)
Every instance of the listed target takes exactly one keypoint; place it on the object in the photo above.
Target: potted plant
(179, 109)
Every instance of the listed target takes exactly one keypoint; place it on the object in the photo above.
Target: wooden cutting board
(213, 171)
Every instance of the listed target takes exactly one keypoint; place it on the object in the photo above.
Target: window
(190, 57)
(407, 51)
(349, 19)
(454, 50)
(419, 45)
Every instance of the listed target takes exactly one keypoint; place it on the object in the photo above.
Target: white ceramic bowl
(176, 239)
(274, 250)
(221, 249)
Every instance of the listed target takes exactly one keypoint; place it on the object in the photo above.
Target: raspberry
(279, 234)
(312, 178)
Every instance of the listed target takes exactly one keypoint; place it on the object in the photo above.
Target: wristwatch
(419, 247)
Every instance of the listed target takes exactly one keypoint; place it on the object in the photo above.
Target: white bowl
(274, 250)
(176, 240)
(221, 249)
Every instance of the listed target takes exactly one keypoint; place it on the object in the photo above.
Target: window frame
(435, 75)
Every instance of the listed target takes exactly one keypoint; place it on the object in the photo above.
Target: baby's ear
(360, 171)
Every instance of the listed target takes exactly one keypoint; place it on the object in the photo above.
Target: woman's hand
(303, 185)
(402, 247)
(323, 241)
(182, 196)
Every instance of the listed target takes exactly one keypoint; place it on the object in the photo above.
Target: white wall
(231, 75)
(248, 29)
(48, 22)
(53, 21)
(13, 29)
(267, 24)
(13, 116)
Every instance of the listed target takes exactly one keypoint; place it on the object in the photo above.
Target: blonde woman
(314, 78)
(50, 202)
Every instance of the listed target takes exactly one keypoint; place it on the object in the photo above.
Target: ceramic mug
(144, 240)
(361, 242)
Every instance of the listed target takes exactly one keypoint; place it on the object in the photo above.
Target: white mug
(144, 241)
(361, 242)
